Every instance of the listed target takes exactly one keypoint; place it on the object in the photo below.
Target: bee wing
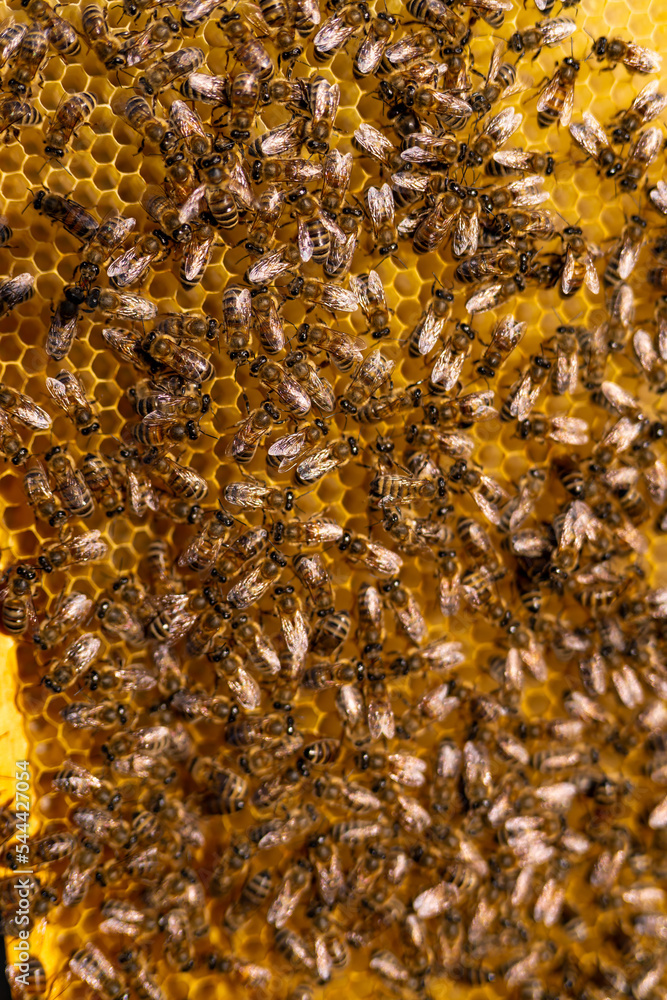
(659, 197)
(382, 560)
(620, 398)
(662, 340)
(337, 169)
(288, 450)
(270, 266)
(304, 241)
(128, 268)
(513, 159)
(339, 299)
(295, 634)
(628, 257)
(60, 335)
(527, 192)
(647, 146)
(447, 368)
(568, 430)
(370, 140)
(524, 397)
(569, 275)
(503, 125)
(327, 101)
(647, 356)
(196, 257)
(639, 59)
(248, 590)
(189, 210)
(548, 92)
(484, 299)
(591, 275)
(333, 33)
(655, 477)
(557, 30)
(369, 53)
(431, 328)
(186, 121)
(380, 717)
(59, 393)
(466, 234)
(245, 689)
(566, 374)
(283, 139)
(341, 255)
(239, 185)
(380, 206)
(495, 61)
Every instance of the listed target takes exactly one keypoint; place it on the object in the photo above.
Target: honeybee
(566, 430)
(183, 481)
(93, 968)
(68, 213)
(625, 254)
(137, 113)
(337, 30)
(132, 265)
(391, 489)
(343, 350)
(30, 54)
(284, 453)
(434, 227)
(96, 31)
(507, 334)
(647, 105)
(549, 32)
(248, 49)
(68, 484)
(425, 334)
(14, 291)
(179, 358)
(369, 54)
(71, 549)
(578, 268)
(318, 388)
(14, 113)
(497, 131)
(243, 446)
(207, 89)
(162, 74)
(288, 391)
(113, 231)
(372, 373)
(369, 292)
(11, 35)
(18, 611)
(293, 626)
(592, 138)
(369, 140)
(651, 360)
(140, 46)
(31, 982)
(204, 549)
(68, 391)
(642, 154)
(317, 464)
(252, 494)
(525, 392)
(500, 82)
(556, 99)
(437, 15)
(448, 366)
(76, 659)
(381, 211)
(284, 140)
(635, 58)
(40, 495)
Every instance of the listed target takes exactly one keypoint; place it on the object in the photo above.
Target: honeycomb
(588, 947)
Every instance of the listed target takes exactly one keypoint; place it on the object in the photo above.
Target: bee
(18, 611)
(22, 409)
(196, 12)
(497, 131)
(369, 292)
(72, 549)
(256, 495)
(312, 533)
(293, 626)
(647, 105)
(425, 334)
(437, 15)
(313, 237)
(320, 463)
(68, 213)
(244, 94)
(592, 138)
(110, 235)
(31, 982)
(40, 496)
(131, 266)
(11, 35)
(652, 361)
(285, 452)
(372, 373)
(507, 334)
(248, 49)
(171, 220)
(382, 211)
(245, 547)
(96, 31)
(525, 392)
(512, 161)
(184, 361)
(343, 350)
(448, 366)
(207, 89)
(142, 45)
(68, 391)
(284, 140)
(330, 633)
(556, 99)
(68, 484)
(204, 549)
(369, 54)
(338, 30)
(565, 430)
(391, 489)
(183, 481)
(64, 323)
(122, 306)
(15, 113)
(549, 32)
(641, 155)
(370, 141)
(243, 446)
(162, 74)
(274, 377)
(500, 82)
(635, 58)
(323, 101)
(76, 659)
(318, 388)
(625, 254)
(98, 478)
(434, 227)
(267, 322)
(236, 315)
(578, 268)
(93, 968)
(30, 55)
(70, 113)
(138, 115)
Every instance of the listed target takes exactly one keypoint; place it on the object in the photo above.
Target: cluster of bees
(292, 734)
